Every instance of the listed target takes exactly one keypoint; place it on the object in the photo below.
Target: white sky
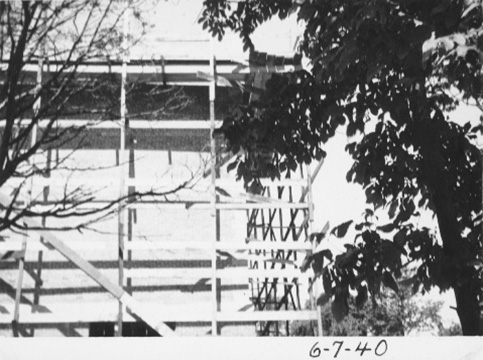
(178, 19)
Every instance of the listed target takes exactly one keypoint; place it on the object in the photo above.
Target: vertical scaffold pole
(37, 104)
(18, 291)
(314, 289)
(214, 213)
(33, 140)
(122, 164)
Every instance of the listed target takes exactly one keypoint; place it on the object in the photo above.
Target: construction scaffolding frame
(278, 225)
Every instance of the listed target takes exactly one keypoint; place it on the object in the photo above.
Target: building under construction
(200, 255)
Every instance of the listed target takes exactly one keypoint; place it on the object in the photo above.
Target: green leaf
(406, 212)
(387, 228)
(391, 253)
(346, 258)
(350, 147)
(351, 129)
(222, 192)
(317, 237)
(323, 299)
(327, 254)
(318, 262)
(320, 154)
(341, 230)
(388, 281)
(400, 237)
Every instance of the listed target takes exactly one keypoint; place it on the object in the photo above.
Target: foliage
(387, 73)
(61, 37)
(391, 315)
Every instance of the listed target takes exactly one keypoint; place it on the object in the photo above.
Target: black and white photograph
(301, 177)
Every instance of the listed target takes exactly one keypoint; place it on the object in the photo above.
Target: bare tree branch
(51, 41)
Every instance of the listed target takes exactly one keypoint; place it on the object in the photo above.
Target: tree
(390, 315)
(389, 71)
(43, 45)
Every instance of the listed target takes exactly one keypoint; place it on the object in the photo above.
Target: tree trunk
(468, 309)
(461, 275)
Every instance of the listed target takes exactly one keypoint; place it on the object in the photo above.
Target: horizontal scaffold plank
(250, 206)
(223, 68)
(133, 124)
(150, 204)
(204, 273)
(249, 316)
(250, 197)
(36, 245)
(188, 73)
(251, 245)
(82, 313)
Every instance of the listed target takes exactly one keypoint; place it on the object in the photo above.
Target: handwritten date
(339, 347)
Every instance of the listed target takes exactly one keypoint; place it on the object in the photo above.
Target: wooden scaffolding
(266, 261)
(280, 225)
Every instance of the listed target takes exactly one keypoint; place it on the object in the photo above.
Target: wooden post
(38, 274)
(33, 140)
(18, 290)
(315, 287)
(217, 238)
(122, 165)
(131, 214)
(38, 103)
(214, 199)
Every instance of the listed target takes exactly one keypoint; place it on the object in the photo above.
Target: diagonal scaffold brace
(115, 290)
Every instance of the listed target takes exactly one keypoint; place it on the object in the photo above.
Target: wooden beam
(312, 179)
(266, 315)
(115, 290)
(315, 289)
(206, 273)
(18, 290)
(251, 197)
(250, 206)
(121, 215)
(251, 245)
(191, 70)
(214, 196)
(153, 204)
(105, 312)
(136, 124)
(105, 244)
